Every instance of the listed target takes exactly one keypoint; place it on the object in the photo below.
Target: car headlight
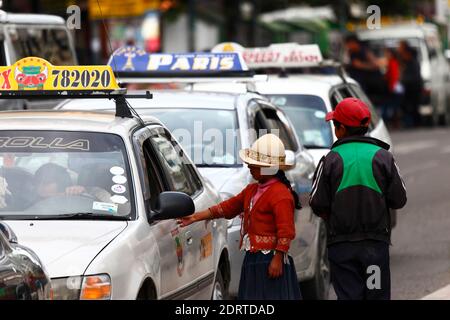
(96, 287)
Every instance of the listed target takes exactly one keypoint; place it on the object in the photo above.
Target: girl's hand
(185, 221)
(276, 265)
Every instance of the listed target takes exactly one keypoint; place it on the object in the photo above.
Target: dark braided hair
(283, 179)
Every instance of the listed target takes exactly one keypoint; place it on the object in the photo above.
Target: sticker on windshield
(119, 179)
(320, 114)
(118, 188)
(104, 206)
(119, 199)
(117, 171)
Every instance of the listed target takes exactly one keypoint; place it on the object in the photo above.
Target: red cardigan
(270, 224)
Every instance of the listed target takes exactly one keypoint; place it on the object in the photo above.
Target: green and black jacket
(354, 187)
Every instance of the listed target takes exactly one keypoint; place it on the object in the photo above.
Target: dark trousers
(360, 270)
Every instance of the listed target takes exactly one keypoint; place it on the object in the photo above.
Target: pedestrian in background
(391, 106)
(364, 68)
(267, 227)
(354, 187)
(411, 80)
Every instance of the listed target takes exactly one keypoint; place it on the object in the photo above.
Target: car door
(166, 232)
(196, 240)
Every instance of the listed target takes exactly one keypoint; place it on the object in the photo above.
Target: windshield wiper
(313, 146)
(81, 216)
(217, 165)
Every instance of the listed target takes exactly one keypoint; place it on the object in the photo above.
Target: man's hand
(276, 265)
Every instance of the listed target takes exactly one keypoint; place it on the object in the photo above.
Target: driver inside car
(53, 180)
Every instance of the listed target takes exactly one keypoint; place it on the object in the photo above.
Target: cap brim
(329, 116)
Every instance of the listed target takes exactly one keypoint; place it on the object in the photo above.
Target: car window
(152, 175)
(51, 44)
(359, 93)
(269, 119)
(210, 137)
(355, 91)
(307, 113)
(174, 166)
(55, 173)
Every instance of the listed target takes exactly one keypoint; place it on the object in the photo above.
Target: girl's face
(255, 171)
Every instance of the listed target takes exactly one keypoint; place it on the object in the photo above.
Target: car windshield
(378, 45)
(60, 175)
(209, 136)
(307, 113)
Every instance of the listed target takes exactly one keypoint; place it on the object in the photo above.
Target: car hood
(219, 176)
(66, 247)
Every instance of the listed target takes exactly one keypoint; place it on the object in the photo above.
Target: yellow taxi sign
(35, 74)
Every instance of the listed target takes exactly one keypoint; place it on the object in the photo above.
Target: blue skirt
(255, 283)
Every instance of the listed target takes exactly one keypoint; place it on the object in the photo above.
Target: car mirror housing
(8, 232)
(172, 205)
(290, 158)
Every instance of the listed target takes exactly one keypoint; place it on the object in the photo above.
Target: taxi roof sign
(131, 61)
(36, 74)
(36, 78)
(278, 55)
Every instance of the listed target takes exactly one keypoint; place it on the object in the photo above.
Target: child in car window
(53, 180)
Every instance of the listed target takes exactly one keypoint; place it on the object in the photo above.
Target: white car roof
(400, 31)
(300, 84)
(105, 122)
(20, 18)
(161, 99)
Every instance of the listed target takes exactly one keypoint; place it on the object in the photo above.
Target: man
(365, 69)
(412, 82)
(354, 187)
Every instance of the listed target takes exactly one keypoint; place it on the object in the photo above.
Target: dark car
(22, 275)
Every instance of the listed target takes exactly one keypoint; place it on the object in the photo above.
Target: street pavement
(420, 254)
(420, 251)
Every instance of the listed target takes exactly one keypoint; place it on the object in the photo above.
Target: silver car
(209, 117)
(96, 197)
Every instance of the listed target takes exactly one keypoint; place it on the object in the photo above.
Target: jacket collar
(363, 139)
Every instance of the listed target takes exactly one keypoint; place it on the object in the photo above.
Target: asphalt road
(420, 255)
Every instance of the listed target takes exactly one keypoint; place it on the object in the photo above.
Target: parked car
(434, 67)
(213, 116)
(96, 195)
(22, 275)
(306, 88)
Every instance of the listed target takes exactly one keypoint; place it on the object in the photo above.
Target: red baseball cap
(351, 112)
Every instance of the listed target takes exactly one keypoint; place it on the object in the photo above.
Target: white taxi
(96, 195)
(212, 127)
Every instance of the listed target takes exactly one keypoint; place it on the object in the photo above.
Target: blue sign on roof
(132, 59)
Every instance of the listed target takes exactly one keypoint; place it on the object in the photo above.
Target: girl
(267, 228)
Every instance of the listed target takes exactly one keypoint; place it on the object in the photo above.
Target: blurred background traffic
(395, 49)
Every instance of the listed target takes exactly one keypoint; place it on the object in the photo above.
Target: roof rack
(36, 78)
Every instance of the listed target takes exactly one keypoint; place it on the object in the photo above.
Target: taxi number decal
(86, 79)
(34, 73)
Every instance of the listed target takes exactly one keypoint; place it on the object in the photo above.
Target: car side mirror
(8, 232)
(290, 158)
(172, 205)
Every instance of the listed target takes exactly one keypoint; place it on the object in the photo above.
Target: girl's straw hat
(268, 152)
